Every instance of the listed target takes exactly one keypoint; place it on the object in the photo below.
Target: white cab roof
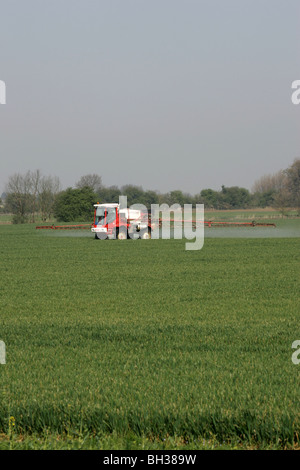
(110, 204)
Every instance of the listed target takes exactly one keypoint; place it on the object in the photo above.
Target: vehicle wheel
(101, 236)
(122, 235)
(146, 235)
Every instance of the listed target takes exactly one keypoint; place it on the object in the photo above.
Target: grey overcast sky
(166, 94)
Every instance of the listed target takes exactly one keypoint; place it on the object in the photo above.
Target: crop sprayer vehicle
(110, 221)
(113, 221)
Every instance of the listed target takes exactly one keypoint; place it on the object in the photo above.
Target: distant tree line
(32, 194)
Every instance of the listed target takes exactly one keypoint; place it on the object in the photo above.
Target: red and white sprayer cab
(112, 222)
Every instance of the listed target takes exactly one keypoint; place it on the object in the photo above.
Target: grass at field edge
(130, 442)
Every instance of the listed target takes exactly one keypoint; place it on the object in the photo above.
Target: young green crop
(145, 338)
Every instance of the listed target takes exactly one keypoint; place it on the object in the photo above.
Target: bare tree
(18, 195)
(293, 183)
(29, 194)
(49, 187)
(92, 181)
(282, 200)
(268, 183)
(34, 181)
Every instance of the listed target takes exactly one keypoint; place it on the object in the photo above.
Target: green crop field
(142, 344)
